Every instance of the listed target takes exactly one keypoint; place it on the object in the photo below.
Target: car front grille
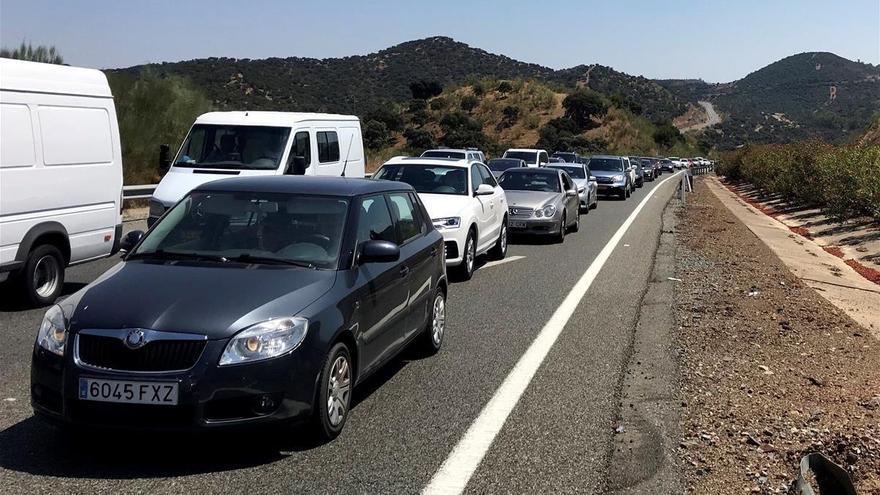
(520, 212)
(604, 180)
(159, 355)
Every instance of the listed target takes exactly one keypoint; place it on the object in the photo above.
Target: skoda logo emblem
(135, 339)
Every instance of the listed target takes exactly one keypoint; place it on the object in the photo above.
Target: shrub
(388, 115)
(376, 135)
(422, 90)
(419, 139)
(582, 105)
(469, 102)
(462, 131)
(504, 87)
(666, 135)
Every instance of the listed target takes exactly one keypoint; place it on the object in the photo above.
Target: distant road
(712, 116)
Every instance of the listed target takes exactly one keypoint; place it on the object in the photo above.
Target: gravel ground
(770, 370)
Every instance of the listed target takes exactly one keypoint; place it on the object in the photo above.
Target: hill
(362, 83)
(815, 94)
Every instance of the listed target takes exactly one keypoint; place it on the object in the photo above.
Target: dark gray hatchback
(253, 300)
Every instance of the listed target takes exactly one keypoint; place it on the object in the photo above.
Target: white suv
(532, 157)
(470, 154)
(465, 203)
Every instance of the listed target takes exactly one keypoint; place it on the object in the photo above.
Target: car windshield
(428, 179)
(443, 154)
(574, 172)
(545, 181)
(568, 157)
(233, 147)
(607, 164)
(502, 164)
(269, 228)
(527, 156)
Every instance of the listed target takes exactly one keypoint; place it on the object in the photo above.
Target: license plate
(126, 392)
(518, 225)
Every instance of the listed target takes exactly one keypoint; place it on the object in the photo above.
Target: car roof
(607, 156)
(284, 119)
(540, 170)
(454, 150)
(301, 184)
(526, 149)
(420, 160)
(20, 75)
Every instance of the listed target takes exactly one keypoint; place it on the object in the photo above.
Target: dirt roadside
(769, 370)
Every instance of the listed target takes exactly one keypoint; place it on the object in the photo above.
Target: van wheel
(42, 277)
(334, 392)
(499, 251)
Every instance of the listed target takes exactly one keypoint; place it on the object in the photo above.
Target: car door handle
(404, 271)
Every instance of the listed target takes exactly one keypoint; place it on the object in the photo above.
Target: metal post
(683, 188)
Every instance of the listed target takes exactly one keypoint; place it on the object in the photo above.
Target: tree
(582, 105)
(422, 90)
(376, 135)
(563, 134)
(469, 102)
(462, 131)
(667, 135)
(419, 139)
(26, 51)
(152, 109)
(388, 115)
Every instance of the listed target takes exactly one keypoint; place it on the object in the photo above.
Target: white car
(532, 157)
(470, 154)
(465, 203)
(631, 171)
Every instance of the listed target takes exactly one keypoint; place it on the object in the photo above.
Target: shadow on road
(11, 300)
(35, 447)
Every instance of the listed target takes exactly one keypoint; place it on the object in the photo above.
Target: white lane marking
(501, 262)
(457, 469)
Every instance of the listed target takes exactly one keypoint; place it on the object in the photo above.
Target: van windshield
(233, 147)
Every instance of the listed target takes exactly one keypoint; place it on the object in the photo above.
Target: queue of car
(273, 277)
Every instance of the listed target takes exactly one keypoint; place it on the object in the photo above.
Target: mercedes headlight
(547, 211)
(265, 340)
(446, 223)
(53, 331)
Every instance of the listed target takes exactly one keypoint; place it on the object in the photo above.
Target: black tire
(465, 270)
(42, 289)
(560, 237)
(430, 341)
(595, 203)
(629, 192)
(324, 427)
(624, 193)
(499, 250)
(577, 224)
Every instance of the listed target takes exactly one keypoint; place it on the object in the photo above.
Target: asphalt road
(408, 419)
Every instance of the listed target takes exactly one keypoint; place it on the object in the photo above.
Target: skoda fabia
(253, 300)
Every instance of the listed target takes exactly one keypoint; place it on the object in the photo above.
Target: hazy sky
(713, 40)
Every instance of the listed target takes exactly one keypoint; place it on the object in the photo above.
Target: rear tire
(335, 383)
(499, 251)
(42, 277)
(432, 337)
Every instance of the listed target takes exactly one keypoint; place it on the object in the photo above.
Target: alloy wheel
(438, 321)
(338, 390)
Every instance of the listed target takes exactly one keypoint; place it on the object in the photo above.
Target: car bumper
(536, 226)
(613, 188)
(209, 396)
(453, 242)
(584, 199)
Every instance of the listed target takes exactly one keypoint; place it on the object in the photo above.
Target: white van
(60, 174)
(532, 157)
(224, 144)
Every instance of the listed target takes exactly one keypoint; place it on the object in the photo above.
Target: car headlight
(547, 211)
(580, 189)
(53, 331)
(265, 340)
(157, 209)
(617, 178)
(446, 223)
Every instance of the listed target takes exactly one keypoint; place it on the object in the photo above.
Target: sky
(717, 41)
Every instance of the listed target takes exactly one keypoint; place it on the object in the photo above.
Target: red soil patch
(802, 231)
(836, 251)
(756, 204)
(869, 273)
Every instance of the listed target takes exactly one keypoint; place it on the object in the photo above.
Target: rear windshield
(608, 164)
(527, 156)
(233, 147)
(428, 179)
(502, 164)
(568, 157)
(574, 172)
(544, 181)
(444, 154)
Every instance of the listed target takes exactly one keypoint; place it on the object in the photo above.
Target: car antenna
(347, 154)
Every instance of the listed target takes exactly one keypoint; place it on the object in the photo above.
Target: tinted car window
(233, 147)
(574, 172)
(406, 216)
(328, 146)
(443, 154)
(527, 156)
(275, 226)
(546, 181)
(607, 164)
(428, 179)
(502, 164)
(374, 220)
(476, 178)
(488, 178)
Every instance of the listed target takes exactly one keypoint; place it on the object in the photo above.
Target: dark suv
(253, 300)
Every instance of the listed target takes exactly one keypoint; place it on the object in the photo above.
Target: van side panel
(61, 162)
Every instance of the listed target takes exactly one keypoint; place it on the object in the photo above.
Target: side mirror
(130, 240)
(164, 164)
(592, 178)
(571, 192)
(297, 165)
(379, 252)
(484, 190)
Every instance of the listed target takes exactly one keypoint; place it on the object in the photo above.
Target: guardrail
(702, 169)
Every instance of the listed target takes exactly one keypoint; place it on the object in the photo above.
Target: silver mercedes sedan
(541, 201)
(588, 188)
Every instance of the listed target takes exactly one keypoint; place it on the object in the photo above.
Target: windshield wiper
(249, 258)
(175, 255)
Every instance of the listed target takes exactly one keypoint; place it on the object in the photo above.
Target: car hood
(208, 299)
(606, 173)
(531, 199)
(581, 183)
(445, 205)
(179, 181)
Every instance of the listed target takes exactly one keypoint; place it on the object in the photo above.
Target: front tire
(42, 277)
(334, 393)
(577, 224)
(499, 251)
(465, 270)
(432, 338)
(560, 237)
